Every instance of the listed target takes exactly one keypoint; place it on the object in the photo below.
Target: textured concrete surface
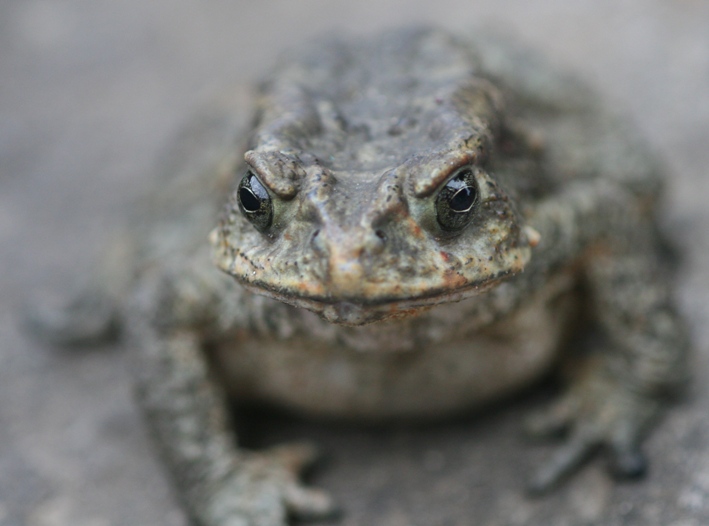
(89, 90)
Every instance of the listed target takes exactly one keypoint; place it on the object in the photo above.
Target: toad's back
(369, 106)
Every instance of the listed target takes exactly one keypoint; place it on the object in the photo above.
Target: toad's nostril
(316, 240)
(374, 244)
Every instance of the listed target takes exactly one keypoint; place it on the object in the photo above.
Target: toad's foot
(89, 317)
(600, 414)
(264, 490)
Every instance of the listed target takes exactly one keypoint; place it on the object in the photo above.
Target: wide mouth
(356, 311)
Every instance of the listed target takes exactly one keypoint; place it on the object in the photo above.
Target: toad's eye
(456, 201)
(254, 202)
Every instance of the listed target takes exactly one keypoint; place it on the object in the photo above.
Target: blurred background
(89, 92)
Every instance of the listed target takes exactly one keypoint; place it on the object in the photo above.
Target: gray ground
(89, 90)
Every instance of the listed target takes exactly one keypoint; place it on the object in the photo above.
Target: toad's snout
(351, 255)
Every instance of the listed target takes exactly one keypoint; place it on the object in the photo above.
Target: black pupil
(249, 201)
(252, 194)
(462, 200)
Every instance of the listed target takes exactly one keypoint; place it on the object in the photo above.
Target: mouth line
(430, 298)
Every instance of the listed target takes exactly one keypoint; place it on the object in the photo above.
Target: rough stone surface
(90, 89)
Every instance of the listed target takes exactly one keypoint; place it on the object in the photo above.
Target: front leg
(626, 386)
(187, 413)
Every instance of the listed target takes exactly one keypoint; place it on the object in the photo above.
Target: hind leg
(627, 385)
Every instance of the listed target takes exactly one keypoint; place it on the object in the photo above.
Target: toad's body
(408, 235)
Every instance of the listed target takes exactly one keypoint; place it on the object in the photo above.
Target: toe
(552, 421)
(295, 457)
(627, 461)
(570, 456)
(309, 504)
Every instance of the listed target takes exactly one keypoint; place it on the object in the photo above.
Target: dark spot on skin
(394, 131)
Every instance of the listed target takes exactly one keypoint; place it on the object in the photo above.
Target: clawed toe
(87, 319)
(567, 459)
(627, 463)
(550, 422)
(295, 457)
(309, 504)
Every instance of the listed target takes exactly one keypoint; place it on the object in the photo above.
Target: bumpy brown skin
(354, 142)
